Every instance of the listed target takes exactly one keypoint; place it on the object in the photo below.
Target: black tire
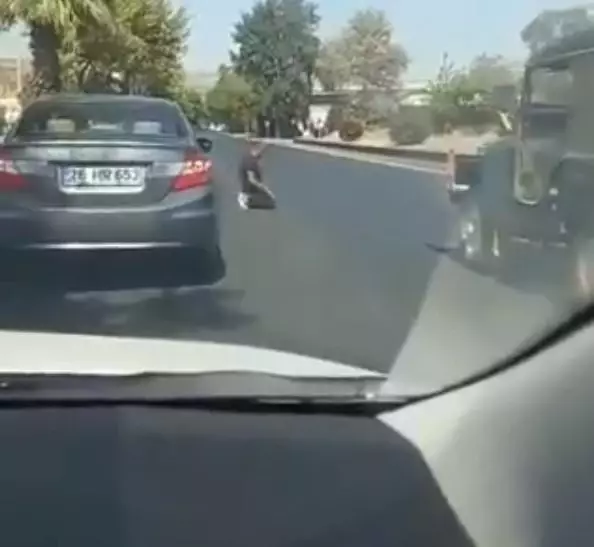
(479, 244)
(580, 254)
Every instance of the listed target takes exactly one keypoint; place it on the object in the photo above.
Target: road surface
(341, 270)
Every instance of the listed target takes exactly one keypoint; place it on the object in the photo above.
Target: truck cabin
(557, 98)
(557, 123)
(555, 120)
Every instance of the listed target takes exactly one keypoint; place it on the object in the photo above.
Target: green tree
(193, 104)
(147, 52)
(550, 25)
(51, 24)
(364, 55)
(333, 68)
(277, 49)
(232, 101)
(487, 72)
(454, 99)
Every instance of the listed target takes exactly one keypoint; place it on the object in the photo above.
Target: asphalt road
(341, 270)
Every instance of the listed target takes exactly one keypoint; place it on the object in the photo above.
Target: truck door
(541, 131)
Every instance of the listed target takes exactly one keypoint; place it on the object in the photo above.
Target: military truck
(535, 186)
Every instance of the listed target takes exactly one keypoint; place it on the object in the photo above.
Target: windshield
(286, 175)
(550, 87)
(96, 119)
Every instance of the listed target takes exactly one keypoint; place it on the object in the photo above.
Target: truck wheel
(481, 247)
(582, 269)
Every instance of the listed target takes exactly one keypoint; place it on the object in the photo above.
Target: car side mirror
(205, 144)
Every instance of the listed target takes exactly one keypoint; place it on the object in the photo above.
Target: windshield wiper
(344, 405)
(231, 390)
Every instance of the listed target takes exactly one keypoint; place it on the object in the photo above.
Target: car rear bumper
(190, 225)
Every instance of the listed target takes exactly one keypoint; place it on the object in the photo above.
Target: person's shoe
(242, 199)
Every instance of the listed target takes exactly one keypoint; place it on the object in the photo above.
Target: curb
(427, 155)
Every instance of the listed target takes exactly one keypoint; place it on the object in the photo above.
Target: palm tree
(51, 24)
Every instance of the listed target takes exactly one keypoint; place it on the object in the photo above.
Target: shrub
(351, 130)
(444, 120)
(335, 118)
(407, 131)
(476, 116)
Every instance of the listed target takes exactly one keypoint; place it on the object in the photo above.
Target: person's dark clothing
(249, 164)
(258, 196)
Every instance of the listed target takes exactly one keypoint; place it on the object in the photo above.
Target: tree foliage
(277, 48)
(457, 100)
(333, 68)
(193, 104)
(51, 24)
(551, 25)
(232, 101)
(365, 56)
(82, 44)
(486, 72)
(147, 53)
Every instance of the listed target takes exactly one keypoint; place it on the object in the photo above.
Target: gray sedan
(92, 172)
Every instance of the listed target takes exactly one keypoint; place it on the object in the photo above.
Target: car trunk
(95, 173)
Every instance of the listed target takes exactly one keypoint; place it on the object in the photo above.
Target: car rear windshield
(101, 120)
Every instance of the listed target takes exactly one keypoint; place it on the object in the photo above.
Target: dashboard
(506, 461)
(169, 477)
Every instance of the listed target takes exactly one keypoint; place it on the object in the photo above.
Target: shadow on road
(530, 271)
(527, 267)
(535, 272)
(136, 298)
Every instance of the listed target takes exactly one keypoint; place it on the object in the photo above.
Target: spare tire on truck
(481, 190)
(573, 181)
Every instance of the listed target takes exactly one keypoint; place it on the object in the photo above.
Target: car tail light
(10, 178)
(195, 172)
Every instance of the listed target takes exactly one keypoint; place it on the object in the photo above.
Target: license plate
(102, 179)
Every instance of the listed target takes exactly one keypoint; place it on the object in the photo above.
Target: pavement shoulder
(368, 156)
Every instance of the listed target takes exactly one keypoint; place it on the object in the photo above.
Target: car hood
(43, 353)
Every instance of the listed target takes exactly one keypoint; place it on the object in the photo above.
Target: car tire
(205, 267)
